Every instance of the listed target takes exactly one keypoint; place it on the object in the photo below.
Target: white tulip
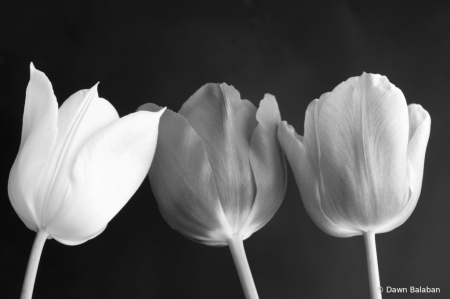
(77, 166)
(219, 173)
(359, 166)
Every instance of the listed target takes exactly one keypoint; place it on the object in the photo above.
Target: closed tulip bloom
(360, 163)
(77, 166)
(219, 173)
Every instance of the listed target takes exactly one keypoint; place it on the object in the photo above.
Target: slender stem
(372, 265)
(33, 262)
(240, 260)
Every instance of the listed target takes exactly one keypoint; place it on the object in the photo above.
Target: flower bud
(359, 166)
(218, 170)
(78, 165)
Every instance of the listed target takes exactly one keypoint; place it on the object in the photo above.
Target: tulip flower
(77, 166)
(359, 166)
(219, 173)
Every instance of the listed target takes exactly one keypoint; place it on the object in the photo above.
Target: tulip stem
(240, 260)
(372, 265)
(33, 262)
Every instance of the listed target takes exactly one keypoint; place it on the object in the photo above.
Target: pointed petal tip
(91, 93)
(146, 107)
(95, 87)
(155, 112)
(32, 68)
(162, 111)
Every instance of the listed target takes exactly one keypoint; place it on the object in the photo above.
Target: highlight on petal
(80, 116)
(419, 126)
(339, 226)
(79, 240)
(304, 172)
(268, 166)
(39, 134)
(226, 123)
(106, 173)
(183, 183)
(363, 136)
(41, 107)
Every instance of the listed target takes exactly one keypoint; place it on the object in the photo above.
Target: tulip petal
(268, 166)
(80, 240)
(420, 125)
(183, 183)
(106, 173)
(226, 123)
(312, 144)
(419, 132)
(40, 109)
(363, 136)
(80, 116)
(303, 157)
(39, 133)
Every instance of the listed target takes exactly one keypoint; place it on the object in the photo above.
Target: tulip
(77, 166)
(359, 166)
(219, 173)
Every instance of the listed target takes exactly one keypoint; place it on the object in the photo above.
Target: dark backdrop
(162, 54)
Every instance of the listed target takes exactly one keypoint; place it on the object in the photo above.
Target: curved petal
(305, 173)
(311, 141)
(80, 116)
(420, 125)
(226, 123)
(39, 133)
(313, 146)
(183, 183)
(106, 173)
(268, 166)
(40, 112)
(363, 135)
(79, 240)
(419, 132)
(336, 224)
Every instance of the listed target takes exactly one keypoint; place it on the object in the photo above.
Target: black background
(162, 53)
